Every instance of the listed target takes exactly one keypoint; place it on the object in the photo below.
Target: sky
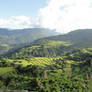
(62, 15)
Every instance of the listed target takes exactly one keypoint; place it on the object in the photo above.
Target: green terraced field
(4, 70)
(56, 44)
(39, 61)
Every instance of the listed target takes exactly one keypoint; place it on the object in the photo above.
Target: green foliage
(54, 64)
(41, 48)
(4, 70)
(14, 39)
(46, 74)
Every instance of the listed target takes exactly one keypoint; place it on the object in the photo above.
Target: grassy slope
(42, 48)
(72, 68)
(39, 61)
(4, 70)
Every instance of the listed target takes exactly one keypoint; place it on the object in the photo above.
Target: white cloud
(66, 15)
(16, 22)
(62, 15)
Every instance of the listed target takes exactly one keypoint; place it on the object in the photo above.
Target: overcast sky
(62, 15)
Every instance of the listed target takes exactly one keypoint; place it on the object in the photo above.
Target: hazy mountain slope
(79, 38)
(57, 45)
(20, 37)
(42, 48)
(42, 64)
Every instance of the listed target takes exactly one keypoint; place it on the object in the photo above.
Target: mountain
(78, 38)
(70, 72)
(50, 64)
(56, 45)
(12, 39)
(41, 48)
(20, 36)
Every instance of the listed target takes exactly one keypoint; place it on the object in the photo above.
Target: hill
(41, 48)
(50, 64)
(56, 45)
(20, 36)
(12, 39)
(69, 73)
(78, 38)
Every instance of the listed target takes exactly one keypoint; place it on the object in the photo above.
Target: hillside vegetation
(13, 39)
(55, 64)
(69, 73)
(42, 48)
(79, 38)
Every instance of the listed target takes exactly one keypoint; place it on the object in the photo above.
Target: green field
(4, 70)
(39, 61)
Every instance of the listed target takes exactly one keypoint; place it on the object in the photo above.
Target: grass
(39, 61)
(56, 43)
(4, 70)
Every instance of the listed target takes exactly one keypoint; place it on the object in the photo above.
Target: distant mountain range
(21, 36)
(78, 38)
(56, 45)
(12, 39)
(63, 61)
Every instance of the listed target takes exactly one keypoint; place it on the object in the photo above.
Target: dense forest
(45, 74)
(52, 64)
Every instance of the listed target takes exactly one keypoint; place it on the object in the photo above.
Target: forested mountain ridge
(12, 39)
(50, 65)
(79, 38)
(42, 48)
(67, 73)
(57, 45)
(20, 36)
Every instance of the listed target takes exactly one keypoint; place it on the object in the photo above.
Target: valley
(50, 64)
